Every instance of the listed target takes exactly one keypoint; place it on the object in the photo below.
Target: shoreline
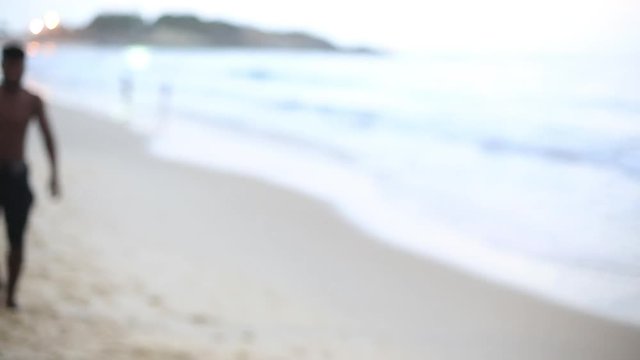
(169, 260)
(360, 201)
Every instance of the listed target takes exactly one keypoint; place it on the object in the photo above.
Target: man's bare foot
(12, 305)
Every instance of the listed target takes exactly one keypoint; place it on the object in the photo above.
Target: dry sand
(146, 259)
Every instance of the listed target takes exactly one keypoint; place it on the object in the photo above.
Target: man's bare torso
(16, 109)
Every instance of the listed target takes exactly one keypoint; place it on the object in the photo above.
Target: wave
(624, 158)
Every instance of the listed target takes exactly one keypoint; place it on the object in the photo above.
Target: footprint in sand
(201, 319)
(299, 352)
(220, 337)
(248, 337)
(242, 354)
(155, 301)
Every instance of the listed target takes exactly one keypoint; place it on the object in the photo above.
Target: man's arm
(47, 136)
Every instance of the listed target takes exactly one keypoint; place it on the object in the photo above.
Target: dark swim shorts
(15, 199)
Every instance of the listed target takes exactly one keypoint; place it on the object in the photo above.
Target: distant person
(17, 107)
(165, 92)
(126, 89)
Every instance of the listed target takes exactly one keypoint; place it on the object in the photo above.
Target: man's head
(12, 63)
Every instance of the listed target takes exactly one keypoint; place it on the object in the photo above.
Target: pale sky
(448, 25)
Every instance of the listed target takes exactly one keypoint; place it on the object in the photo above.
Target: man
(17, 107)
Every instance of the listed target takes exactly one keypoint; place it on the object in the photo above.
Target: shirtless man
(17, 107)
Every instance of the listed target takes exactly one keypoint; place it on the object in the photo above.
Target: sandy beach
(148, 259)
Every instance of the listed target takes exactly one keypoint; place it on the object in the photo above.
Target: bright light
(138, 57)
(51, 20)
(36, 26)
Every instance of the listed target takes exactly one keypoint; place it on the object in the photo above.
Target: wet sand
(147, 259)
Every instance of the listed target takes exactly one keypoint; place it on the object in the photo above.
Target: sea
(522, 169)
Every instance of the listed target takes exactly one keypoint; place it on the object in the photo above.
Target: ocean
(523, 169)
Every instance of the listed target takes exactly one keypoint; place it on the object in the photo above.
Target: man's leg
(16, 214)
(1, 272)
(14, 267)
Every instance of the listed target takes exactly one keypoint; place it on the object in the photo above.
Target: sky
(446, 25)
